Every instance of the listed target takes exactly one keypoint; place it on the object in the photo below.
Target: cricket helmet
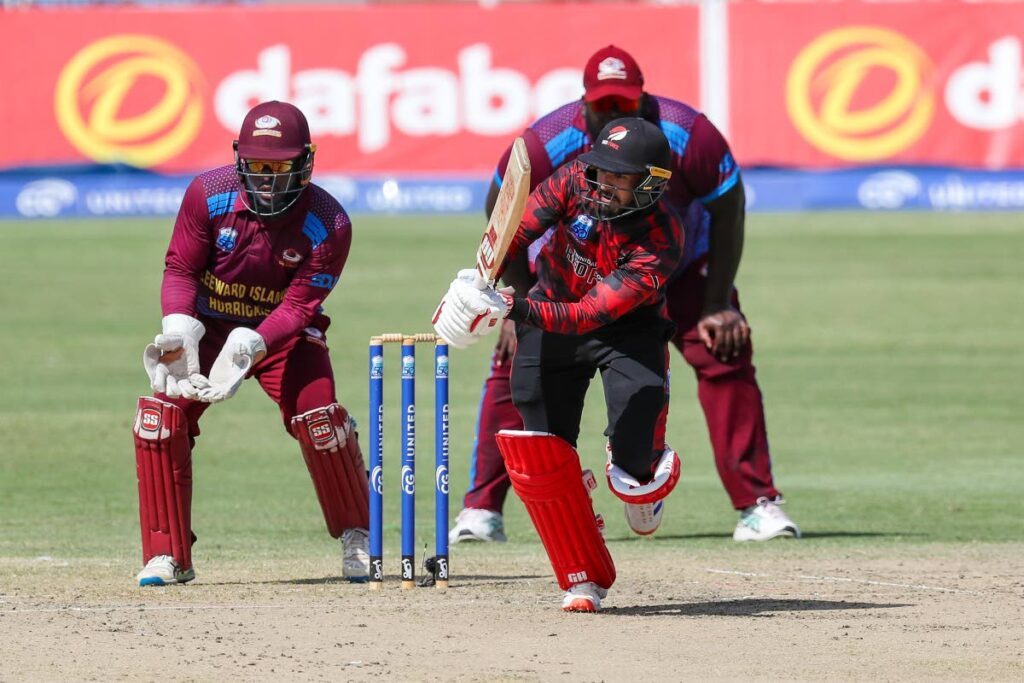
(273, 158)
(628, 146)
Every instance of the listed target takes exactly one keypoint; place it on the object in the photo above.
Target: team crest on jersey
(289, 258)
(226, 239)
(582, 227)
(611, 68)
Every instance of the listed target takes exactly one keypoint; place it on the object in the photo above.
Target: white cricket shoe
(583, 597)
(645, 519)
(764, 521)
(162, 570)
(355, 555)
(477, 524)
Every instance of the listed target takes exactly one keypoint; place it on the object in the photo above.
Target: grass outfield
(888, 349)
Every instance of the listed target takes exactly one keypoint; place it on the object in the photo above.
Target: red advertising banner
(412, 88)
(840, 84)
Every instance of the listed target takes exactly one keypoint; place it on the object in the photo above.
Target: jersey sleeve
(708, 167)
(187, 254)
(313, 281)
(636, 282)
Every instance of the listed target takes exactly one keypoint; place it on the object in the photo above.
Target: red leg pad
(546, 474)
(330, 447)
(163, 463)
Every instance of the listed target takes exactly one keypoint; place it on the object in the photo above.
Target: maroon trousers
(728, 393)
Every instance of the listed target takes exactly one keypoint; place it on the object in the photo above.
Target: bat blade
(507, 213)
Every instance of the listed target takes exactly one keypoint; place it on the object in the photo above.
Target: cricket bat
(507, 213)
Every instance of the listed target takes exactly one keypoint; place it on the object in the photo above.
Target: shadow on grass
(748, 607)
(457, 580)
(728, 536)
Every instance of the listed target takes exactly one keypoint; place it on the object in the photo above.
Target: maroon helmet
(273, 158)
(629, 146)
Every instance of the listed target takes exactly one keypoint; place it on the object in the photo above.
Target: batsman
(598, 305)
(255, 250)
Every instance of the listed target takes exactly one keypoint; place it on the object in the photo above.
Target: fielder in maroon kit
(711, 332)
(598, 305)
(256, 249)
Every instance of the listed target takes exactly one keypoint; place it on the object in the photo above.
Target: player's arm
(188, 253)
(313, 281)
(713, 175)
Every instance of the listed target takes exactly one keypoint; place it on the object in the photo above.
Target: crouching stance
(597, 306)
(256, 248)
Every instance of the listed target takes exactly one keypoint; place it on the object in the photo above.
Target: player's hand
(505, 349)
(725, 333)
(470, 309)
(242, 350)
(172, 360)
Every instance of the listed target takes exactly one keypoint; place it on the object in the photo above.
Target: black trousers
(551, 373)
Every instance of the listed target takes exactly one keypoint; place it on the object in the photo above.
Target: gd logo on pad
(861, 93)
(129, 98)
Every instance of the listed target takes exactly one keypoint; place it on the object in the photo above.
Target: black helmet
(627, 146)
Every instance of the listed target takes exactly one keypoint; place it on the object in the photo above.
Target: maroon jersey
(592, 273)
(225, 267)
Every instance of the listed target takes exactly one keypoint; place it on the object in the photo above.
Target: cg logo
(104, 86)
(408, 480)
(441, 479)
(377, 480)
(837, 73)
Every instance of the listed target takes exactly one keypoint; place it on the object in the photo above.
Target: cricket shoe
(162, 570)
(583, 597)
(764, 521)
(355, 555)
(477, 524)
(645, 519)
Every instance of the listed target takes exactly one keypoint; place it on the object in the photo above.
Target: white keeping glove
(469, 310)
(172, 360)
(242, 349)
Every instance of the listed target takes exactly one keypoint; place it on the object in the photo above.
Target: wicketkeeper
(598, 306)
(256, 248)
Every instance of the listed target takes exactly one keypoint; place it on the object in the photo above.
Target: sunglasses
(262, 166)
(622, 105)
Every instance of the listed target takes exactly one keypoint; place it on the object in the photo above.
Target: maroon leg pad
(546, 474)
(163, 463)
(338, 472)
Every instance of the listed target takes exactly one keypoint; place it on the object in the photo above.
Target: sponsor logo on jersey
(226, 239)
(582, 227)
(323, 281)
(289, 258)
(611, 68)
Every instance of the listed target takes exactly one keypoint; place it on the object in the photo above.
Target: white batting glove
(470, 310)
(242, 349)
(181, 376)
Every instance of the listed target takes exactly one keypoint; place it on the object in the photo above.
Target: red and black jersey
(593, 273)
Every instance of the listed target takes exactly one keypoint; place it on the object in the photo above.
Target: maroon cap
(274, 131)
(612, 71)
